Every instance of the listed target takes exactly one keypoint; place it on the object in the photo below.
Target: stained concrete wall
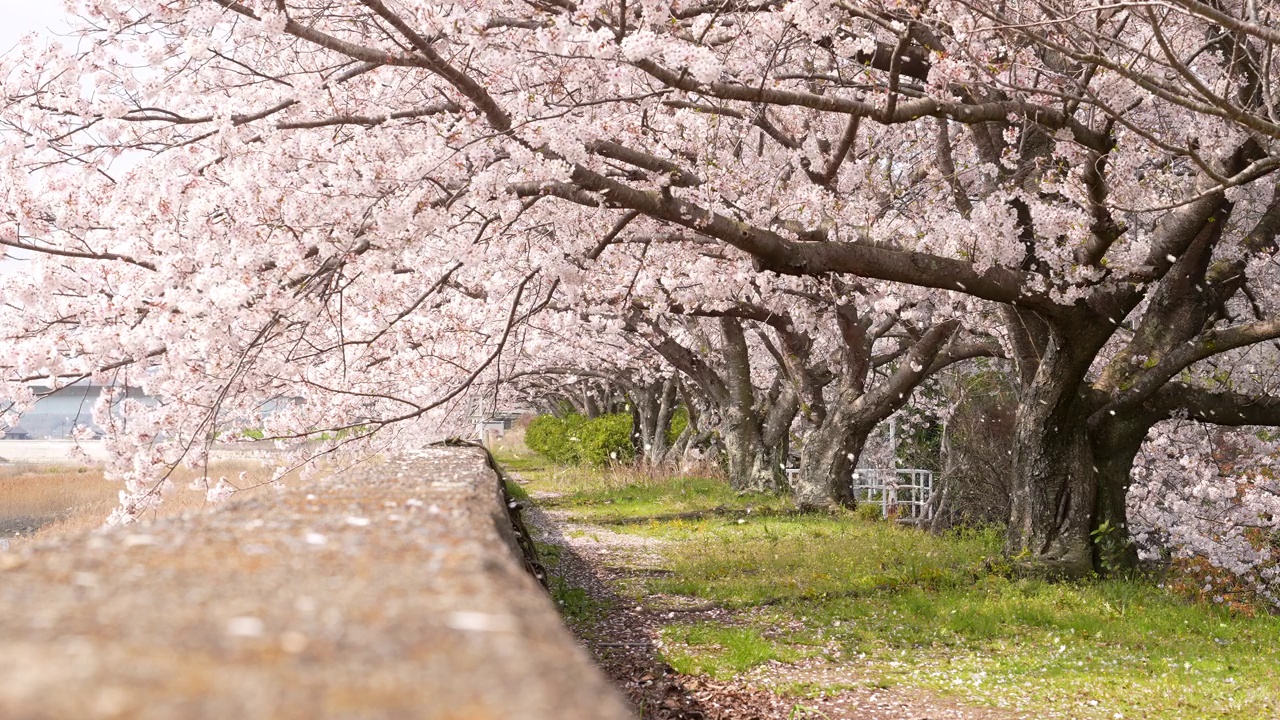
(388, 591)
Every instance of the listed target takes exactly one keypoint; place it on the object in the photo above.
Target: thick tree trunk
(1054, 486)
(753, 466)
(590, 408)
(832, 449)
(688, 454)
(640, 430)
(686, 451)
(657, 449)
(1116, 442)
(826, 464)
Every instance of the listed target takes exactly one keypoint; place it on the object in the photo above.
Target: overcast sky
(24, 16)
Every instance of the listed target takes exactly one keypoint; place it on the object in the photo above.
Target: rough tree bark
(752, 429)
(832, 448)
(753, 459)
(1115, 446)
(826, 462)
(654, 405)
(1054, 487)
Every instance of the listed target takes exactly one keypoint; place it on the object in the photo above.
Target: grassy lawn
(631, 497)
(900, 607)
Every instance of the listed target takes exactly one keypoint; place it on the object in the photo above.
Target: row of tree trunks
(752, 427)
(654, 406)
(1070, 477)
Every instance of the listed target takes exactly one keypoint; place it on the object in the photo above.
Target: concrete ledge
(390, 591)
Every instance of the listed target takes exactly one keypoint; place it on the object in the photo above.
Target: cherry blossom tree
(762, 350)
(304, 173)
(568, 359)
(1210, 495)
(843, 365)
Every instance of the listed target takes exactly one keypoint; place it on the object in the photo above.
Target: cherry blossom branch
(1206, 345)
(60, 252)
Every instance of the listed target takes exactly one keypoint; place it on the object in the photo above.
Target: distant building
(17, 433)
(55, 416)
(495, 424)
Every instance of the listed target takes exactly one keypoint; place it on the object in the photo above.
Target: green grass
(769, 559)
(719, 651)
(517, 492)
(575, 603)
(520, 461)
(945, 614)
(647, 501)
(627, 495)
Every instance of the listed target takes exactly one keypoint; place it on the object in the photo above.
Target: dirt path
(624, 640)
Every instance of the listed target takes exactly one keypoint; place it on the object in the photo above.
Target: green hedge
(555, 438)
(574, 439)
(606, 440)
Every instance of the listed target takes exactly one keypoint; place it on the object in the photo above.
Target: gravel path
(607, 565)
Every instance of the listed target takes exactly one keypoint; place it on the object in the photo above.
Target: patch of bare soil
(24, 524)
(623, 641)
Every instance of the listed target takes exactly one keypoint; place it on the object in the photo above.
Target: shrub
(557, 439)
(574, 439)
(606, 440)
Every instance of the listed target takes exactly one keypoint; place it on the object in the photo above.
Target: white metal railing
(903, 493)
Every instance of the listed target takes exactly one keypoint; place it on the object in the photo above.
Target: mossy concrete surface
(387, 591)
